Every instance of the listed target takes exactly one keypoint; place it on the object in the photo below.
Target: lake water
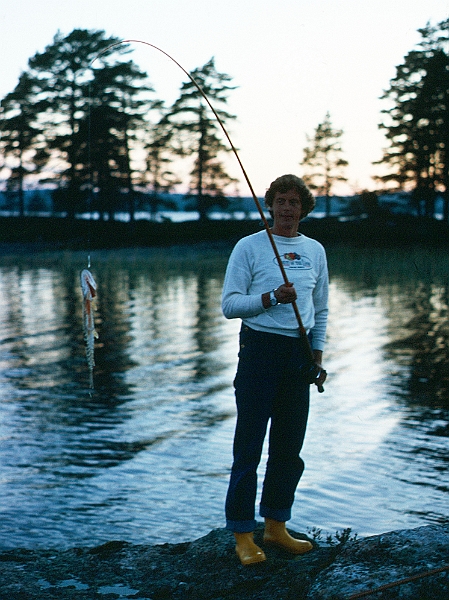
(146, 456)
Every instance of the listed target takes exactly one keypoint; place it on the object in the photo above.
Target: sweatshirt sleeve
(320, 301)
(237, 302)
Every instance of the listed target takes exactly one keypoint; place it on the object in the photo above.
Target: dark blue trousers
(269, 385)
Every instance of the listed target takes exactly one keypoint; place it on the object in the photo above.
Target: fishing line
(302, 330)
(88, 284)
(90, 173)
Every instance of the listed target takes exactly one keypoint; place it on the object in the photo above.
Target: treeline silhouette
(83, 108)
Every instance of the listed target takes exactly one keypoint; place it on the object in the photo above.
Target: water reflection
(411, 287)
(148, 453)
(424, 345)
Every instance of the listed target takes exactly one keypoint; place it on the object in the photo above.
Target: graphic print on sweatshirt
(293, 260)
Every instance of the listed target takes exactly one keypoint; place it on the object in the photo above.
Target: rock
(208, 569)
(383, 560)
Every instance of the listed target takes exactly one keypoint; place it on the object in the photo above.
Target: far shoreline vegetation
(381, 225)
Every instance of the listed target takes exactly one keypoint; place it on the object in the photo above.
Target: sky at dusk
(292, 62)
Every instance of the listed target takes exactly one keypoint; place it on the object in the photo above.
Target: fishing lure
(89, 289)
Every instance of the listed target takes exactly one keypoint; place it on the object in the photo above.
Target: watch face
(273, 300)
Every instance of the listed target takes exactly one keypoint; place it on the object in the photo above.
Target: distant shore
(63, 233)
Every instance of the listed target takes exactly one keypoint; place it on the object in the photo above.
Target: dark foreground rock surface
(207, 569)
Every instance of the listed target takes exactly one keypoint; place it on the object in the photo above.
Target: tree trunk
(200, 199)
(21, 192)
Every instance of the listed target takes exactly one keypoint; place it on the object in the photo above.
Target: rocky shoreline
(406, 564)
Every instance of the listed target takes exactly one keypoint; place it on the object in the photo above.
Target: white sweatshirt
(253, 270)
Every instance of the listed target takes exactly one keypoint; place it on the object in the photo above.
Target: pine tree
(118, 109)
(323, 160)
(198, 134)
(159, 174)
(21, 138)
(417, 124)
(90, 106)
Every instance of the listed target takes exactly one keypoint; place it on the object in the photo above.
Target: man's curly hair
(285, 183)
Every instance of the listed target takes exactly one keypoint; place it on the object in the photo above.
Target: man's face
(287, 208)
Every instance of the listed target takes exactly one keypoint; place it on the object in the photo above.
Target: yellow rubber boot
(248, 552)
(277, 535)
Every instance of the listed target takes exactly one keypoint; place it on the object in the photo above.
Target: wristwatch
(273, 299)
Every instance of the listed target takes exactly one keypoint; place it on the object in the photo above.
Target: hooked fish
(89, 289)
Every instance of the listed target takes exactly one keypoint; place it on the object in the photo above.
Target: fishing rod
(302, 331)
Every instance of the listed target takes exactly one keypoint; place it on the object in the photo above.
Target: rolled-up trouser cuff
(278, 514)
(241, 526)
